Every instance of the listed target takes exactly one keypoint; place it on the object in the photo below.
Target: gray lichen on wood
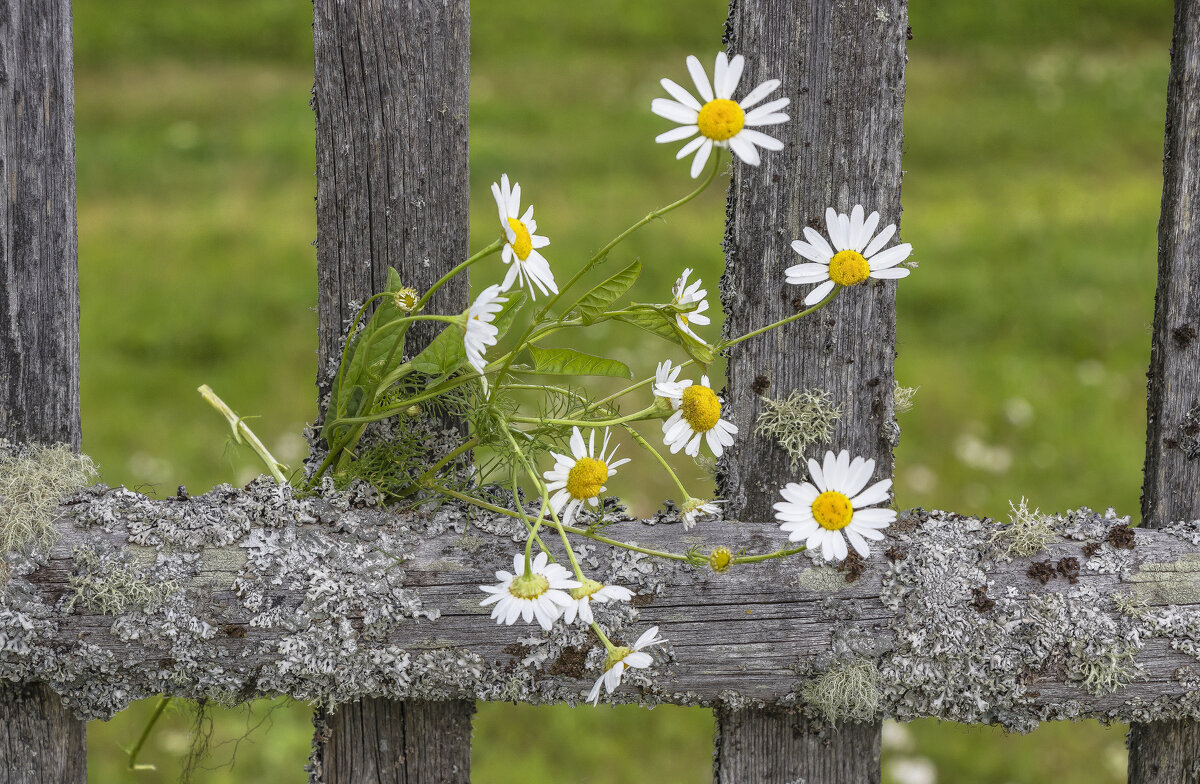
(331, 598)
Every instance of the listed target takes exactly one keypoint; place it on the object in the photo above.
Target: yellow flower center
(588, 588)
(721, 119)
(720, 559)
(701, 408)
(523, 244)
(405, 299)
(832, 510)
(615, 655)
(529, 586)
(586, 478)
(848, 267)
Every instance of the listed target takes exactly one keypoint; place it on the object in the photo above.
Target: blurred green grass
(1033, 142)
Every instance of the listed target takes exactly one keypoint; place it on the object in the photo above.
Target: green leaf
(593, 304)
(660, 320)
(568, 362)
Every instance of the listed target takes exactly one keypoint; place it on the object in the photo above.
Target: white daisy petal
(680, 94)
(701, 158)
(760, 92)
(677, 134)
(880, 240)
(818, 294)
(703, 87)
(759, 139)
(674, 111)
(893, 273)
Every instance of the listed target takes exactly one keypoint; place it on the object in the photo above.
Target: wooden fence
(266, 593)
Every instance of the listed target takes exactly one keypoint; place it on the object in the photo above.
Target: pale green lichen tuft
(108, 586)
(1131, 605)
(799, 420)
(1104, 671)
(903, 398)
(1027, 533)
(33, 479)
(848, 691)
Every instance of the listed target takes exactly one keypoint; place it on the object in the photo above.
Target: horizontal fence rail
(242, 593)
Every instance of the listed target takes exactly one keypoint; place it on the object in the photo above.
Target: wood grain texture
(392, 178)
(842, 64)
(35, 731)
(778, 746)
(390, 96)
(40, 741)
(331, 599)
(433, 750)
(39, 291)
(1170, 751)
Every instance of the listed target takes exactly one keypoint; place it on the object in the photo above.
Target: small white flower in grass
(853, 257)
(835, 502)
(541, 594)
(526, 265)
(580, 477)
(694, 509)
(621, 657)
(480, 332)
(697, 416)
(684, 294)
(667, 384)
(592, 591)
(720, 121)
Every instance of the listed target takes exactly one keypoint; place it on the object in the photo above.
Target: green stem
(768, 556)
(491, 508)
(163, 702)
(663, 462)
(603, 252)
(645, 413)
(243, 434)
(428, 475)
(568, 528)
(489, 250)
(608, 646)
(828, 298)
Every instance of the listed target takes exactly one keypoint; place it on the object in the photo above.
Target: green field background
(1032, 150)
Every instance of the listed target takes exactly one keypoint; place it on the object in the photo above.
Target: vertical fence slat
(40, 740)
(843, 66)
(1169, 751)
(390, 97)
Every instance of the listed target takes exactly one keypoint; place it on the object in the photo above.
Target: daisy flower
(540, 593)
(683, 294)
(480, 332)
(720, 121)
(853, 258)
(834, 503)
(621, 657)
(666, 383)
(580, 478)
(694, 509)
(592, 591)
(697, 415)
(525, 265)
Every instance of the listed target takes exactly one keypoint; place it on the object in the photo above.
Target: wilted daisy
(694, 509)
(835, 501)
(580, 478)
(539, 594)
(526, 265)
(698, 415)
(621, 657)
(853, 258)
(720, 121)
(480, 332)
(592, 591)
(683, 294)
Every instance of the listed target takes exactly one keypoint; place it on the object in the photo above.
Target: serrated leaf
(594, 303)
(569, 362)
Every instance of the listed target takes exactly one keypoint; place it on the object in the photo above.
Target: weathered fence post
(1169, 751)
(390, 96)
(40, 740)
(843, 65)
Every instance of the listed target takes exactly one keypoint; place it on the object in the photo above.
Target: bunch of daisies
(567, 450)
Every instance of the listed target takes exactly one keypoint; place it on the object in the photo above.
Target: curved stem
(489, 250)
(428, 475)
(662, 461)
(132, 764)
(243, 434)
(603, 252)
(646, 413)
(828, 298)
(768, 556)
